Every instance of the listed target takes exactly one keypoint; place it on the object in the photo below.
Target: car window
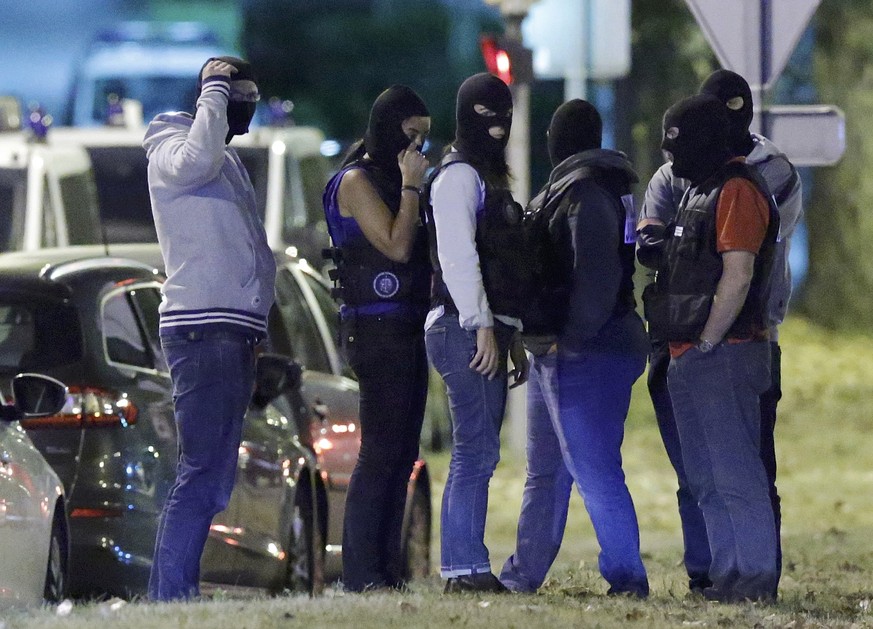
(121, 177)
(145, 301)
(13, 194)
(306, 343)
(36, 335)
(122, 333)
(79, 196)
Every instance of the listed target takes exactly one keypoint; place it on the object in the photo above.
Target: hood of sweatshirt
(612, 168)
(164, 126)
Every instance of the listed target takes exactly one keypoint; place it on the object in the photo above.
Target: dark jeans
(716, 401)
(213, 375)
(697, 556)
(576, 410)
(389, 359)
(477, 405)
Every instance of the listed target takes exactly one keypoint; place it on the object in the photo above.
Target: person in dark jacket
(712, 286)
(583, 369)
(662, 199)
(383, 271)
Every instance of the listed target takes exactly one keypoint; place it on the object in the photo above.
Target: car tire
(55, 589)
(416, 535)
(304, 571)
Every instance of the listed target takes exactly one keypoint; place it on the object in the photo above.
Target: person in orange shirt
(714, 283)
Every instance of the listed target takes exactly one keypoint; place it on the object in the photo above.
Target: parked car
(95, 326)
(34, 535)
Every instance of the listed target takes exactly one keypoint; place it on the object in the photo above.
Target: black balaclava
(239, 114)
(695, 135)
(471, 135)
(736, 95)
(576, 126)
(384, 137)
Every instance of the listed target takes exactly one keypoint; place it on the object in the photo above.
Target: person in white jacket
(219, 289)
(662, 199)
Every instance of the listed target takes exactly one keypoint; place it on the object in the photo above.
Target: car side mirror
(35, 395)
(274, 374)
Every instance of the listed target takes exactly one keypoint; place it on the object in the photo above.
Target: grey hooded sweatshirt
(220, 270)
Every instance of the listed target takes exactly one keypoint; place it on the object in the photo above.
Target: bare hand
(412, 165)
(520, 363)
(217, 67)
(486, 359)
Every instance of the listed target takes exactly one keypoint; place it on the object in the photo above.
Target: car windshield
(13, 191)
(35, 335)
(156, 93)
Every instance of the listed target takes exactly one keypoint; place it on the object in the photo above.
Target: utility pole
(518, 157)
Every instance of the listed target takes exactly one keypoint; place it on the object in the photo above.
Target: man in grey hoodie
(662, 199)
(584, 362)
(219, 289)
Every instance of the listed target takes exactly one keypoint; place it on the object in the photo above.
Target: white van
(47, 195)
(285, 164)
(153, 63)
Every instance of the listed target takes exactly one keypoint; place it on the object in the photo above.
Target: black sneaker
(480, 582)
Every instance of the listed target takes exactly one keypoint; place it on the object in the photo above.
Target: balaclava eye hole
(735, 94)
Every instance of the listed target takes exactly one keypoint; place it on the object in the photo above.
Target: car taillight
(89, 407)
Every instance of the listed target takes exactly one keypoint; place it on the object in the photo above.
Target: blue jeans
(697, 557)
(577, 406)
(718, 415)
(477, 406)
(213, 376)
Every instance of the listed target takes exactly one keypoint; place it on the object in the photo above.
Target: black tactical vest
(506, 274)
(366, 276)
(694, 266)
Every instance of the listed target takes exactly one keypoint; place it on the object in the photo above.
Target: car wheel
(416, 538)
(56, 571)
(305, 568)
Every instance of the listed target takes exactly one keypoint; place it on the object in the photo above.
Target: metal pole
(766, 20)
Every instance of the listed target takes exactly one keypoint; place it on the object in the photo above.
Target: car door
(25, 521)
(332, 397)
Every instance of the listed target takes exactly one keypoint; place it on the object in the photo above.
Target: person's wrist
(410, 188)
(705, 345)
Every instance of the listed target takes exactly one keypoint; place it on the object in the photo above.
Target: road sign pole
(766, 20)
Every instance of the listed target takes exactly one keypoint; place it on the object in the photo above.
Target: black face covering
(695, 135)
(576, 126)
(736, 95)
(472, 135)
(239, 114)
(384, 138)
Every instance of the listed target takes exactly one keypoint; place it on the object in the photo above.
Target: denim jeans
(697, 556)
(718, 415)
(213, 376)
(388, 356)
(477, 406)
(577, 405)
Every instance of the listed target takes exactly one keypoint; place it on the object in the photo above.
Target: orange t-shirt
(742, 215)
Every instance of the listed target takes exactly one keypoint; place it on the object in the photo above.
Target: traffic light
(507, 59)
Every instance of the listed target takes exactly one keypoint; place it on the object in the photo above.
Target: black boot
(481, 582)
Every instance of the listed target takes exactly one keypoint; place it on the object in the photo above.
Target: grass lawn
(825, 454)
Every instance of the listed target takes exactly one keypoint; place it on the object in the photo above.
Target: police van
(286, 166)
(48, 197)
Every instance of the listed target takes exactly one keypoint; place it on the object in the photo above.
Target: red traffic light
(496, 58)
